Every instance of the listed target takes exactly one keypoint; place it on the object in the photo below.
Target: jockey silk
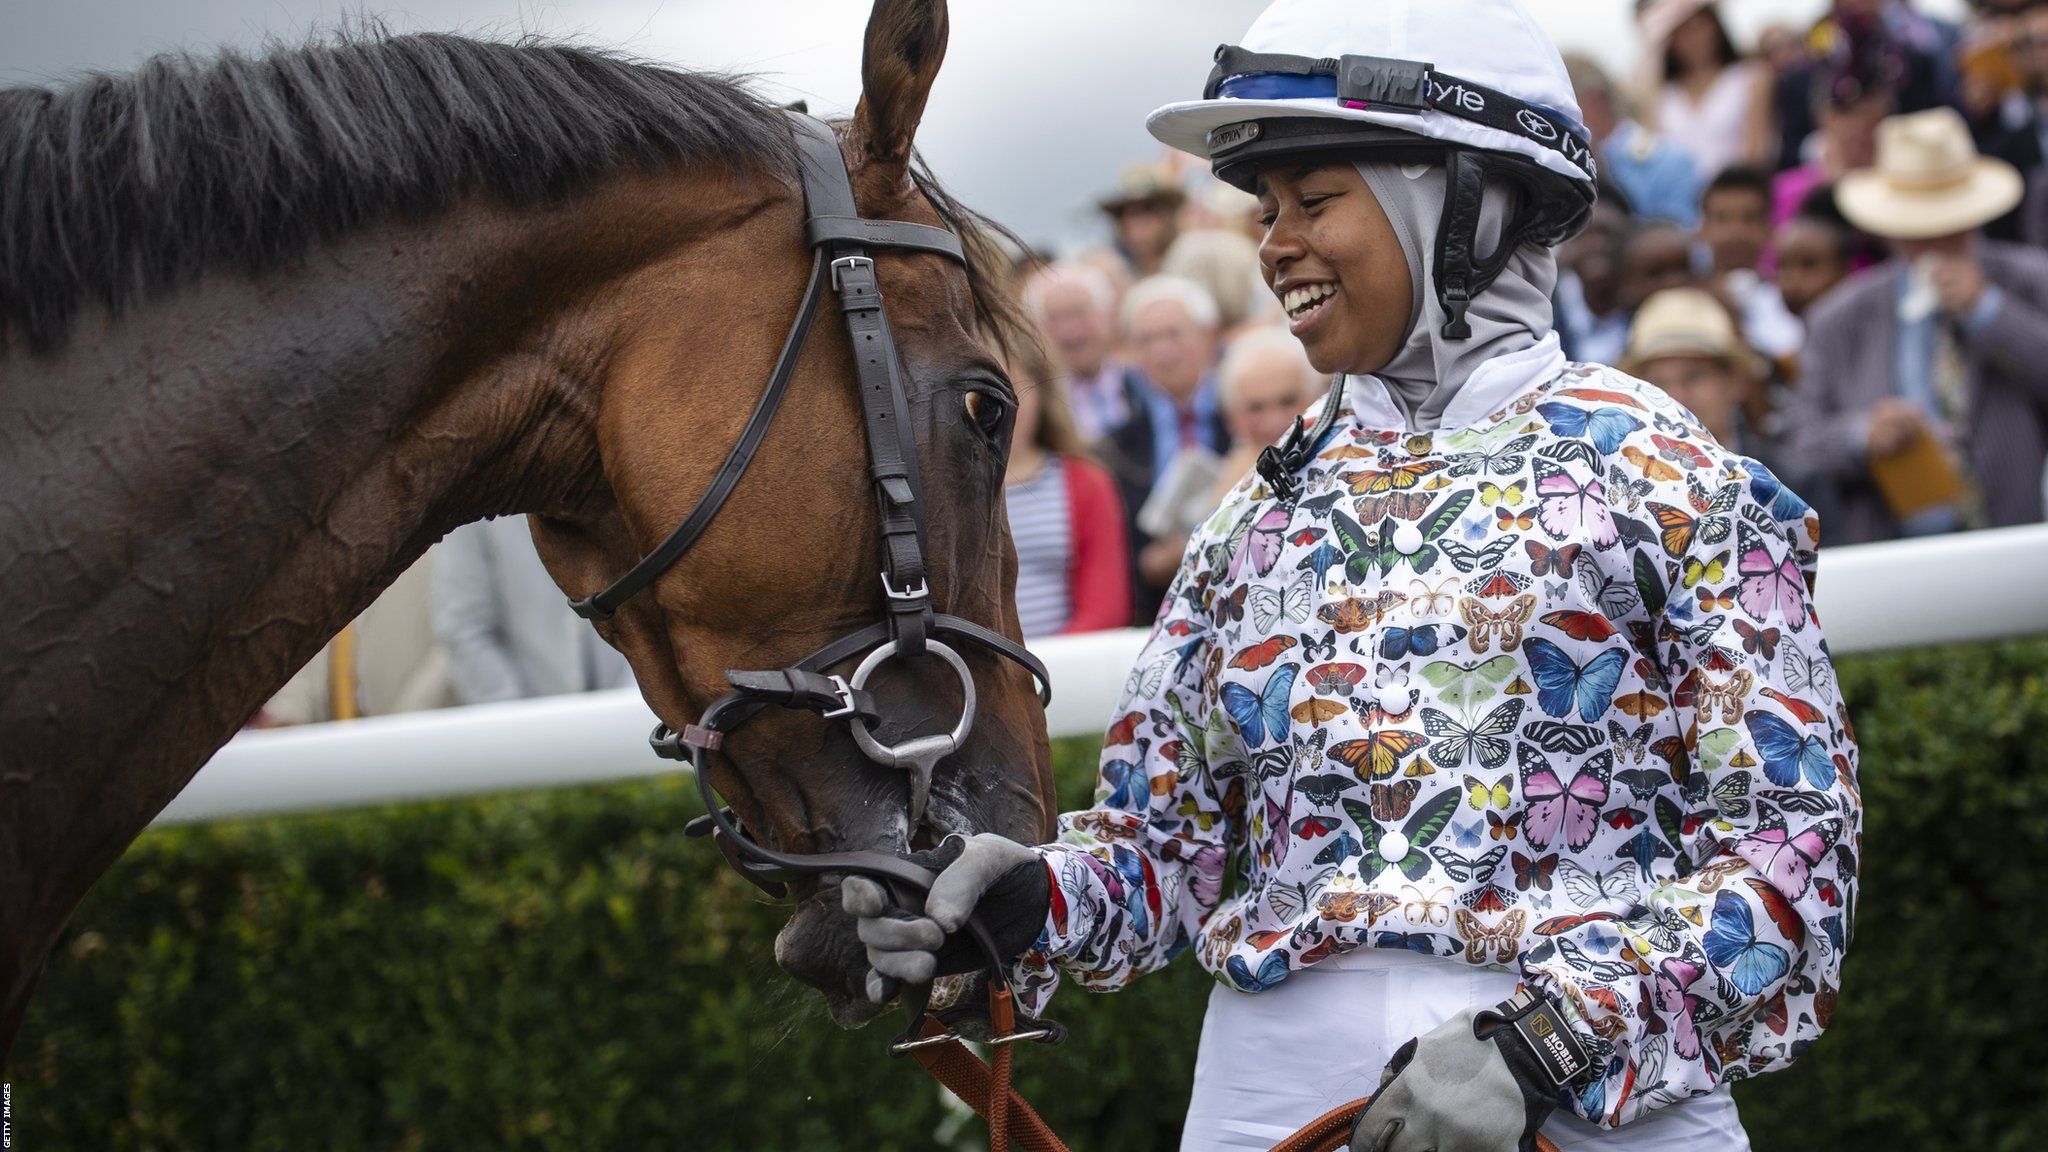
(1540, 691)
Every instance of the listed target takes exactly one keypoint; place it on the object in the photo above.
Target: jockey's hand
(1478, 1083)
(1002, 880)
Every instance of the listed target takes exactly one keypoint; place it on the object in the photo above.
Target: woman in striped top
(1073, 566)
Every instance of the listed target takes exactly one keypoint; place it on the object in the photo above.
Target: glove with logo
(1002, 880)
(1484, 1081)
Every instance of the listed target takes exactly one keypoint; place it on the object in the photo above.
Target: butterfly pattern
(1545, 693)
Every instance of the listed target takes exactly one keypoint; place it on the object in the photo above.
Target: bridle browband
(840, 241)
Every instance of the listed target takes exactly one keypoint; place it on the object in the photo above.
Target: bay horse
(273, 325)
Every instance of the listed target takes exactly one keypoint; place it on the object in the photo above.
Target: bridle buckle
(921, 592)
(848, 263)
(845, 691)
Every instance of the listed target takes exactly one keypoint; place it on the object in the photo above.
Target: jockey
(1486, 747)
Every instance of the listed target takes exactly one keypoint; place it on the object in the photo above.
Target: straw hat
(1142, 183)
(1686, 322)
(1929, 181)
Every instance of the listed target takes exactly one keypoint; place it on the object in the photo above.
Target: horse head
(794, 559)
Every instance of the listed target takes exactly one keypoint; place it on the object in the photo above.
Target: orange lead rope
(985, 1087)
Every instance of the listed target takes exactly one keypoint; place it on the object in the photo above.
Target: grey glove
(1002, 880)
(1484, 1081)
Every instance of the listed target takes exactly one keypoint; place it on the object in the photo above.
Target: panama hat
(1929, 181)
(1686, 322)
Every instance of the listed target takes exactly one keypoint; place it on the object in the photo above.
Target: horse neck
(224, 479)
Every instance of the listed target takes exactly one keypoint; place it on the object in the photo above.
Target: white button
(1407, 539)
(1393, 846)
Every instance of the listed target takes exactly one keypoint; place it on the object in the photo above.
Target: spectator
(1815, 253)
(1782, 49)
(1656, 256)
(1073, 306)
(1849, 101)
(1171, 324)
(1922, 398)
(1684, 342)
(384, 662)
(1264, 383)
(1214, 204)
(1918, 50)
(1142, 210)
(1591, 320)
(1226, 265)
(2017, 129)
(1735, 219)
(1735, 228)
(1709, 100)
(1655, 174)
(1073, 566)
(507, 627)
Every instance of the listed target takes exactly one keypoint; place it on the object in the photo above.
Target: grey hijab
(1512, 314)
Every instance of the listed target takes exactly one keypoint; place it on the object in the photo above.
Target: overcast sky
(1039, 101)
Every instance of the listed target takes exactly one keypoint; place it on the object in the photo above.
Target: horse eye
(985, 410)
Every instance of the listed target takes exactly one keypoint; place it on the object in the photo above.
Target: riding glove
(1484, 1081)
(1003, 881)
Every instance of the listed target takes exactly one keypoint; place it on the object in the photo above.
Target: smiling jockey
(1486, 748)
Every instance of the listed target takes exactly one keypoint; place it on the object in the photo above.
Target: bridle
(840, 241)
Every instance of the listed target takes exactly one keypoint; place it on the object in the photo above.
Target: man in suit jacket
(1172, 325)
(1949, 337)
(507, 626)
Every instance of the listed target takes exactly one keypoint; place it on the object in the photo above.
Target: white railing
(1976, 586)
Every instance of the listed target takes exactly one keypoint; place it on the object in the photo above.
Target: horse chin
(819, 947)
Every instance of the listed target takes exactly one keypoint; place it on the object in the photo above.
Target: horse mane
(117, 188)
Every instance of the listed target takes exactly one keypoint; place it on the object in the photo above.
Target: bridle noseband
(840, 241)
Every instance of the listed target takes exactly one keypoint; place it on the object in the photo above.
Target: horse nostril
(921, 840)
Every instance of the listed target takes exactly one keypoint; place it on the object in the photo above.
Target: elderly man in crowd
(1073, 305)
(1170, 325)
(1264, 384)
(1923, 395)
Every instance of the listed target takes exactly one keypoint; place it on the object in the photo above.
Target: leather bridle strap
(839, 239)
(601, 605)
(836, 227)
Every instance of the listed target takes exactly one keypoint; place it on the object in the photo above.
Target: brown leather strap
(966, 1076)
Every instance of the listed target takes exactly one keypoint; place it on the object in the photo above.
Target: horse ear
(906, 42)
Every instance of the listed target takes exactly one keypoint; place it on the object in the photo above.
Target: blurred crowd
(1828, 244)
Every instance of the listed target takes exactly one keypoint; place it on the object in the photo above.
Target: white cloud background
(1040, 100)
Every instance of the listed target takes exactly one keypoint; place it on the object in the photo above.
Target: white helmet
(1472, 84)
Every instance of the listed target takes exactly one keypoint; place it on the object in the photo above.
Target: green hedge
(560, 970)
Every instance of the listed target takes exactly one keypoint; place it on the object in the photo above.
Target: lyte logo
(1576, 152)
(1536, 125)
(1456, 95)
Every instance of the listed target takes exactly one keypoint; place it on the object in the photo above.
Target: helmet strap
(1461, 272)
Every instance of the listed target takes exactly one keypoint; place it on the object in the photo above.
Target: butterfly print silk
(1541, 692)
